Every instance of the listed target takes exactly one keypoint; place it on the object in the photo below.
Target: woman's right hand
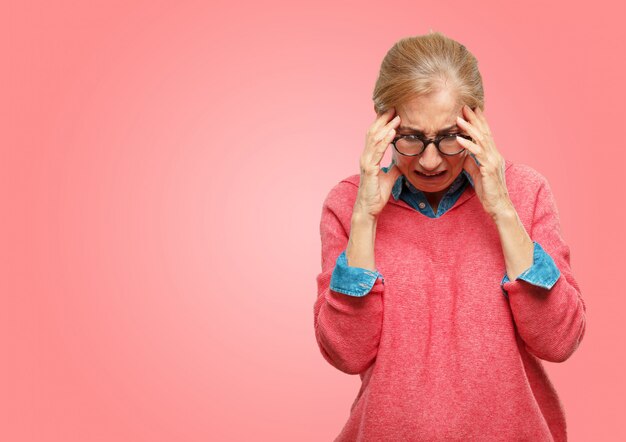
(375, 185)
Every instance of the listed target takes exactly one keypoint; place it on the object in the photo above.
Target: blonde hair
(423, 64)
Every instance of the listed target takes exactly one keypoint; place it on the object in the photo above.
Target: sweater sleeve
(550, 321)
(543, 272)
(347, 328)
(350, 280)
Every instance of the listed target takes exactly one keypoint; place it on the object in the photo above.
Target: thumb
(470, 165)
(394, 172)
(389, 178)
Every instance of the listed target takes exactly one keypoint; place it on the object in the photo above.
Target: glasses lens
(409, 145)
(450, 145)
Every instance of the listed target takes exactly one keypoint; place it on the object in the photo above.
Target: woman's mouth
(431, 176)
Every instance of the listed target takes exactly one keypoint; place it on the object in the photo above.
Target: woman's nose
(430, 159)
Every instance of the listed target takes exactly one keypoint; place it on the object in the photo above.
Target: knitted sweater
(441, 354)
(356, 281)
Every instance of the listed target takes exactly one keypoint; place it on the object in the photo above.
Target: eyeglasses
(413, 145)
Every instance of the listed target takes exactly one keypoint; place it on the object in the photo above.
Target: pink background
(162, 176)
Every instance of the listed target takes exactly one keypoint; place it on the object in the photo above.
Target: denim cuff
(543, 272)
(353, 281)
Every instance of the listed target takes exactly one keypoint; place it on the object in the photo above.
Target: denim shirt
(357, 281)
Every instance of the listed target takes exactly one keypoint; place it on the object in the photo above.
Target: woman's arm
(517, 246)
(347, 328)
(550, 321)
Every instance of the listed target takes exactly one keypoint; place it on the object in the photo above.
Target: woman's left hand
(488, 177)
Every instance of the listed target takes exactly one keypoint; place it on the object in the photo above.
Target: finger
(473, 149)
(480, 120)
(375, 148)
(382, 119)
(381, 147)
(471, 116)
(383, 122)
(470, 129)
(384, 135)
(391, 124)
(481, 116)
(471, 164)
(481, 136)
(475, 160)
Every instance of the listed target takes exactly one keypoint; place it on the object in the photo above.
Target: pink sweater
(441, 353)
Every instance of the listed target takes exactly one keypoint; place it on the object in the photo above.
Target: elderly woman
(445, 277)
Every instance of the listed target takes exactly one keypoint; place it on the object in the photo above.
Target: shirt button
(422, 205)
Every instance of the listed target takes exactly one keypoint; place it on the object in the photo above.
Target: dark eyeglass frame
(427, 141)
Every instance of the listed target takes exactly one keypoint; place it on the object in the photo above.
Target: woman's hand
(375, 185)
(488, 177)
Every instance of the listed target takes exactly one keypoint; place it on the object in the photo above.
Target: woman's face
(430, 114)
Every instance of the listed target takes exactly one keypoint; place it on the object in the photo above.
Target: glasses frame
(427, 141)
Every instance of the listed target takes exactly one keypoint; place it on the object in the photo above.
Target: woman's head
(427, 79)
(424, 64)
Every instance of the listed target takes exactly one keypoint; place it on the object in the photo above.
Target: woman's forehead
(429, 113)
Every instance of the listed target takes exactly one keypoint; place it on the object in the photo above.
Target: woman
(445, 277)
